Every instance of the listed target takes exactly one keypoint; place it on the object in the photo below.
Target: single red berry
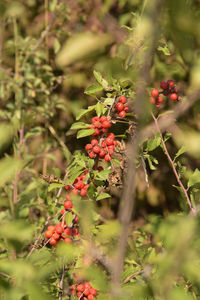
(86, 292)
(104, 130)
(154, 93)
(68, 204)
(93, 291)
(157, 105)
(68, 231)
(56, 236)
(122, 114)
(90, 297)
(62, 212)
(109, 141)
(97, 124)
(119, 106)
(51, 228)
(163, 85)
(122, 99)
(87, 285)
(83, 192)
(170, 83)
(52, 241)
(94, 142)
(48, 234)
(173, 96)
(159, 99)
(67, 240)
(75, 231)
(88, 147)
(80, 288)
(102, 153)
(92, 155)
(59, 228)
(152, 100)
(94, 119)
(107, 157)
(126, 109)
(175, 90)
(103, 144)
(96, 149)
(106, 124)
(96, 132)
(103, 119)
(67, 187)
(111, 135)
(75, 191)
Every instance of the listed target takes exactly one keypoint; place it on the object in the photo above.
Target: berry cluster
(79, 186)
(83, 291)
(120, 107)
(104, 148)
(62, 232)
(100, 125)
(168, 89)
(156, 99)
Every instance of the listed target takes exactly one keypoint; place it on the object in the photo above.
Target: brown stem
(192, 209)
(61, 283)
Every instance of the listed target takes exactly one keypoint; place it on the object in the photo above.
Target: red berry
(103, 119)
(75, 231)
(97, 124)
(90, 297)
(122, 99)
(68, 231)
(67, 187)
(102, 153)
(88, 147)
(96, 132)
(86, 292)
(52, 241)
(76, 219)
(51, 228)
(104, 130)
(122, 114)
(173, 96)
(62, 212)
(48, 234)
(126, 109)
(170, 83)
(75, 191)
(80, 288)
(92, 155)
(159, 99)
(111, 135)
(59, 228)
(152, 100)
(68, 204)
(154, 93)
(67, 197)
(107, 157)
(106, 124)
(83, 192)
(96, 149)
(94, 142)
(87, 285)
(56, 236)
(109, 141)
(157, 105)
(93, 291)
(163, 85)
(119, 106)
(94, 119)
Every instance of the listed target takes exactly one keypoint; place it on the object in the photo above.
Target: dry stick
(192, 209)
(61, 283)
(128, 201)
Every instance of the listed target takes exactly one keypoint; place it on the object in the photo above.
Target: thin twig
(192, 209)
(61, 283)
(133, 276)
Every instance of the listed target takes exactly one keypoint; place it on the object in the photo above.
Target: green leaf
(54, 186)
(108, 101)
(164, 49)
(103, 196)
(76, 171)
(103, 175)
(93, 89)
(83, 112)
(8, 168)
(153, 143)
(84, 132)
(194, 178)
(167, 112)
(100, 109)
(33, 132)
(101, 81)
(182, 150)
(79, 125)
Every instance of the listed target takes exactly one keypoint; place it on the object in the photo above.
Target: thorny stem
(192, 209)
